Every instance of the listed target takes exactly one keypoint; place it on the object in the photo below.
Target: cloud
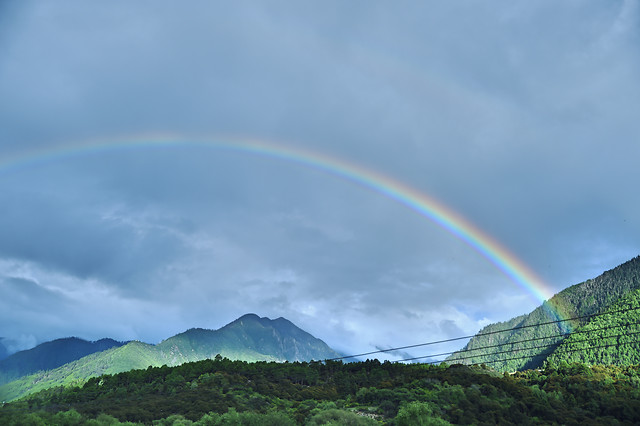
(20, 343)
(518, 115)
(41, 304)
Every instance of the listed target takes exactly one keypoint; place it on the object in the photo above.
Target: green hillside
(224, 392)
(528, 345)
(50, 355)
(249, 338)
(609, 339)
(116, 360)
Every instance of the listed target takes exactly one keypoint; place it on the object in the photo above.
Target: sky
(520, 116)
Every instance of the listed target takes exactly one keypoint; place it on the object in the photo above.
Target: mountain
(249, 338)
(49, 355)
(525, 345)
(3, 349)
(133, 355)
(608, 339)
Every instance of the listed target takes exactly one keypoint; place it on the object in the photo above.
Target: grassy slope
(50, 355)
(116, 360)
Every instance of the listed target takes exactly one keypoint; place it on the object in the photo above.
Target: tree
(418, 414)
(340, 417)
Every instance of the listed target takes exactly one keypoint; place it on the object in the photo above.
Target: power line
(514, 343)
(539, 355)
(532, 347)
(481, 334)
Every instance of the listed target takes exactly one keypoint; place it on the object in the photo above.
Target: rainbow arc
(400, 192)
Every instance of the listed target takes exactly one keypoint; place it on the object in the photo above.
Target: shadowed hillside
(50, 355)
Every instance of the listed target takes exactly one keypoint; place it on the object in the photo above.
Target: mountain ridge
(249, 338)
(580, 300)
(50, 355)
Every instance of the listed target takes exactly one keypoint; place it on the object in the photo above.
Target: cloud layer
(520, 116)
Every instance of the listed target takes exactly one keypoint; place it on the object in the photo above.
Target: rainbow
(417, 201)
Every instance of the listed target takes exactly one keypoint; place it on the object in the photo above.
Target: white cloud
(53, 304)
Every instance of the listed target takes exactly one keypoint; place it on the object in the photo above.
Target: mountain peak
(249, 338)
(251, 317)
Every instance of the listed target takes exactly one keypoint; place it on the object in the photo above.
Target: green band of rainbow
(421, 203)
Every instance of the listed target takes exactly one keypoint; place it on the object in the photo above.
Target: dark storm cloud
(519, 115)
(229, 68)
(22, 297)
(23, 292)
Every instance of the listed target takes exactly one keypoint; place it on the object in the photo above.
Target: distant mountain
(4, 352)
(612, 338)
(49, 355)
(249, 338)
(133, 355)
(528, 345)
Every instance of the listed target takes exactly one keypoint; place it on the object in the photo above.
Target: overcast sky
(522, 116)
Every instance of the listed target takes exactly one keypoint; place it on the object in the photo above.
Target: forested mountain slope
(224, 392)
(50, 355)
(609, 339)
(249, 338)
(528, 345)
(115, 360)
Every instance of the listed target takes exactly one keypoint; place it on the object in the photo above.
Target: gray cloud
(518, 115)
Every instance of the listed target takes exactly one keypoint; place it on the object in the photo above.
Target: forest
(225, 392)
(606, 307)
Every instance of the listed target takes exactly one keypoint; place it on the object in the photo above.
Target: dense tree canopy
(221, 391)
